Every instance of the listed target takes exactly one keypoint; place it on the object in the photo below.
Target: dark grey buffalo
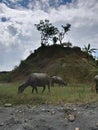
(96, 80)
(58, 80)
(35, 80)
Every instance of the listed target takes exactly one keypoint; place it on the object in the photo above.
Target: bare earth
(50, 117)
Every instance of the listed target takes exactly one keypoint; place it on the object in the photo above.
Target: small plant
(88, 50)
(67, 44)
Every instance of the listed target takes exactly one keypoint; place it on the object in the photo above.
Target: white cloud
(18, 36)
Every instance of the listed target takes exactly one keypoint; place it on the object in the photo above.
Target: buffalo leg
(96, 86)
(43, 89)
(96, 89)
(35, 89)
(49, 88)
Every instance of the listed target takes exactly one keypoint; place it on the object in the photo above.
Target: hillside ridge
(71, 63)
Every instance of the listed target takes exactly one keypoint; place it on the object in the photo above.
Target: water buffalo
(58, 80)
(34, 80)
(96, 80)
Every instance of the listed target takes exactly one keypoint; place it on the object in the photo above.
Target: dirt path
(49, 117)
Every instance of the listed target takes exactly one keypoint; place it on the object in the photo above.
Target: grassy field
(70, 94)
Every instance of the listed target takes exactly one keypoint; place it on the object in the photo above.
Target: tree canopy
(48, 31)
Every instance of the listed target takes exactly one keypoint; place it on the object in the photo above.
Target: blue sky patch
(24, 3)
(67, 1)
(3, 19)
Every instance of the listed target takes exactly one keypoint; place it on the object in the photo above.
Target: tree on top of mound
(50, 32)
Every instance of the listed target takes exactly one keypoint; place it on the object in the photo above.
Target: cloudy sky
(18, 35)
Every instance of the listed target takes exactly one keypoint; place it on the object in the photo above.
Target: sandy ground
(50, 117)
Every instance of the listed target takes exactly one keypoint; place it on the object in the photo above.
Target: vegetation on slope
(71, 63)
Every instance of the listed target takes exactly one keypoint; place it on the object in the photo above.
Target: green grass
(70, 94)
